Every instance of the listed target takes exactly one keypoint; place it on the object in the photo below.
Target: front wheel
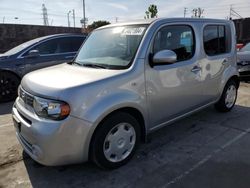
(115, 141)
(9, 83)
(228, 98)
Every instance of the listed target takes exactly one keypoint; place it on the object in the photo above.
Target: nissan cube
(128, 80)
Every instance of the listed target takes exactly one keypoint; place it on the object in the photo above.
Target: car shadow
(5, 108)
(163, 147)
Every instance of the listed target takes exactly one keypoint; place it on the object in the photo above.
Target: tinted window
(48, 47)
(179, 39)
(70, 44)
(59, 45)
(214, 40)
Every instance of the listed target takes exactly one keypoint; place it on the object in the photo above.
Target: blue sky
(30, 11)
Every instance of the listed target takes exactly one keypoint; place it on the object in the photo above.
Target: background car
(32, 55)
(243, 62)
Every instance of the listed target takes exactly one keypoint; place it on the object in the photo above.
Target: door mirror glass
(165, 57)
(33, 53)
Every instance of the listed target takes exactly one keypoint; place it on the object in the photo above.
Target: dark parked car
(243, 62)
(32, 55)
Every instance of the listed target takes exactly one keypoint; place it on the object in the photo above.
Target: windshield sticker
(133, 31)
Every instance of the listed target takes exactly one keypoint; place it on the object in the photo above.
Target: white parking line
(206, 158)
(6, 125)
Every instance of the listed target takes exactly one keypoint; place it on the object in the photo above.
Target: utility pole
(68, 18)
(45, 15)
(185, 11)
(116, 19)
(84, 16)
(230, 12)
(74, 17)
(3, 19)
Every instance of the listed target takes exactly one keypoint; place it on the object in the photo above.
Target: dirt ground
(208, 149)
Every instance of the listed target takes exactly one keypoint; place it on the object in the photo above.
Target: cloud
(119, 6)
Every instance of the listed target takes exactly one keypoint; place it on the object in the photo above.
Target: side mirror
(165, 57)
(33, 53)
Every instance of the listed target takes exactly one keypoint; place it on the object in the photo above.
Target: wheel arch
(236, 79)
(11, 72)
(130, 110)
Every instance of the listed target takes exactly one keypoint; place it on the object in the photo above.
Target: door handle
(196, 69)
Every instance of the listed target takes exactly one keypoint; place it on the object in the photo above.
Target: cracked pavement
(207, 149)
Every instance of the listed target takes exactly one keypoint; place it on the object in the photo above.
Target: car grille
(26, 97)
(243, 63)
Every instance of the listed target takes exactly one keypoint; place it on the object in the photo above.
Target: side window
(59, 45)
(69, 44)
(76, 43)
(214, 40)
(178, 38)
(47, 47)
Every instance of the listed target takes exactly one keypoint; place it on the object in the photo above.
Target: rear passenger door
(53, 52)
(217, 48)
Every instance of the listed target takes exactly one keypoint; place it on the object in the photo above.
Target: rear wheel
(115, 141)
(9, 83)
(228, 98)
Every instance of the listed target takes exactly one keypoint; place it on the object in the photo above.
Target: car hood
(53, 81)
(243, 56)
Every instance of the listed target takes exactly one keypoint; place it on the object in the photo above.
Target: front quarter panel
(95, 101)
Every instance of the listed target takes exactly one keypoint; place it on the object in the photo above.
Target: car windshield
(245, 48)
(22, 46)
(111, 48)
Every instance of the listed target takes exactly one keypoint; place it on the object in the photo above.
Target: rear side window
(214, 37)
(178, 38)
(69, 44)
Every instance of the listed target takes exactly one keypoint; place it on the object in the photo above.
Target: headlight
(51, 109)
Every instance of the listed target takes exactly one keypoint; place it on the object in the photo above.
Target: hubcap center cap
(121, 142)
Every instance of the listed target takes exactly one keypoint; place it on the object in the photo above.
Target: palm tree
(151, 12)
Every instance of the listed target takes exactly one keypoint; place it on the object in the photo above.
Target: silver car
(243, 61)
(128, 80)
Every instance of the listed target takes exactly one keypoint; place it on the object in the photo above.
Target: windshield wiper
(94, 65)
(74, 63)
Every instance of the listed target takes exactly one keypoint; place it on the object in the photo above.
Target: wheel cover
(8, 86)
(231, 94)
(119, 142)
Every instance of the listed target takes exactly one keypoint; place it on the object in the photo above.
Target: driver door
(173, 89)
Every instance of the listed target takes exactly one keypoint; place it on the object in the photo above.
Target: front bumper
(244, 72)
(51, 142)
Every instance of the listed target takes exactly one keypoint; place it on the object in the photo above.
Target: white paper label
(133, 31)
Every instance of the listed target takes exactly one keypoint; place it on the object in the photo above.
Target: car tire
(228, 97)
(115, 141)
(9, 83)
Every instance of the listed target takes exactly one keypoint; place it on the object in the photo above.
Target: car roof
(150, 21)
(60, 35)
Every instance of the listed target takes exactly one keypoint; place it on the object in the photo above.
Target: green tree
(97, 24)
(151, 12)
